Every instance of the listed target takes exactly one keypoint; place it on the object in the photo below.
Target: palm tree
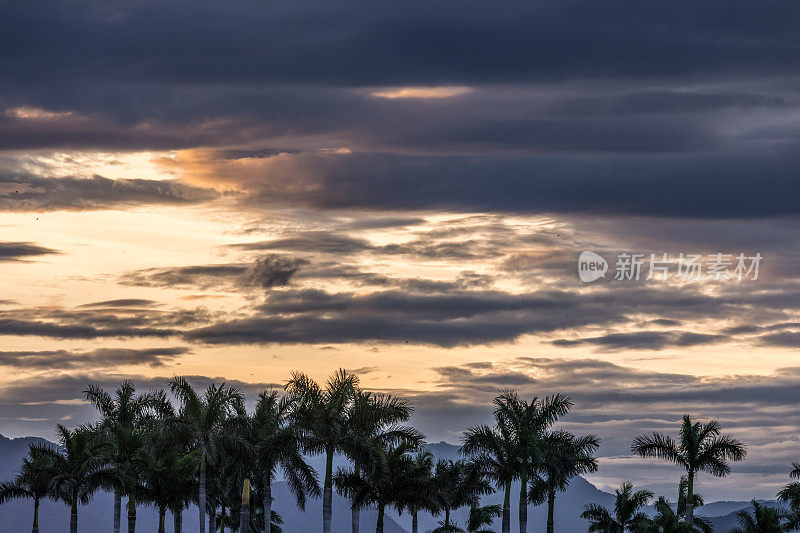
(763, 519)
(166, 469)
(702, 524)
(699, 448)
(683, 489)
(33, 482)
(122, 425)
(529, 422)
(667, 520)
(322, 414)
(77, 470)
(565, 457)
(166, 431)
(791, 492)
(454, 485)
(481, 518)
(497, 453)
(373, 422)
(625, 516)
(276, 443)
(204, 417)
(386, 479)
(420, 499)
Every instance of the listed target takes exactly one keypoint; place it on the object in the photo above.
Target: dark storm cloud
(644, 340)
(70, 330)
(458, 319)
(382, 43)
(457, 314)
(100, 322)
(559, 110)
(16, 251)
(713, 185)
(100, 358)
(33, 193)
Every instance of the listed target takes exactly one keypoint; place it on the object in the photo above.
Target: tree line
(205, 448)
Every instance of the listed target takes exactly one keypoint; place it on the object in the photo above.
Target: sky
(233, 191)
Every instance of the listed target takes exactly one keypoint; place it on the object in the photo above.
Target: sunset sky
(235, 190)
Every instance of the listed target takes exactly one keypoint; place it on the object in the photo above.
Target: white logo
(591, 266)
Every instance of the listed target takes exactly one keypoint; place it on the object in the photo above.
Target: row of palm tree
(205, 448)
(626, 515)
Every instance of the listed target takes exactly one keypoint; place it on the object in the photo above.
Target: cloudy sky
(237, 190)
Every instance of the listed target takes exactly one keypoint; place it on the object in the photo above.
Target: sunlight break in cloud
(393, 93)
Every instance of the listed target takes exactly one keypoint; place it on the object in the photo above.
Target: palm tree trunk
(507, 509)
(355, 511)
(267, 505)
(415, 523)
(162, 512)
(131, 514)
(355, 518)
(117, 510)
(447, 517)
(212, 521)
(35, 528)
(177, 517)
(379, 525)
(551, 506)
(523, 505)
(244, 512)
(73, 518)
(201, 495)
(690, 499)
(244, 519)
(327, 496)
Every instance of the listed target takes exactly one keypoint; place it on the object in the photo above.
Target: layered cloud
(405, 189)
(532, 109)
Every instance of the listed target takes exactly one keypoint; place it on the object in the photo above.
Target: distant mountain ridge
(16, 516)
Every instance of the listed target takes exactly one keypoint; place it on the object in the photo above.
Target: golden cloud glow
(35, 113)
(393, 93)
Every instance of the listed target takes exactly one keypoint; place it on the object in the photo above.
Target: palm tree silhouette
(122, 420)
(420, 499)
(322, 414)
(481, 518)
(77, 470)
(529, 422)
(763, 519)
(383, 480)
(275, 443)
(372, 422)
(790, 494)
(495, 450)
(166, 471)
(565, 456)
(454, 485)
(668, 520)
(699, 448)
(33, 482)
(625, 516)
(204, 418)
